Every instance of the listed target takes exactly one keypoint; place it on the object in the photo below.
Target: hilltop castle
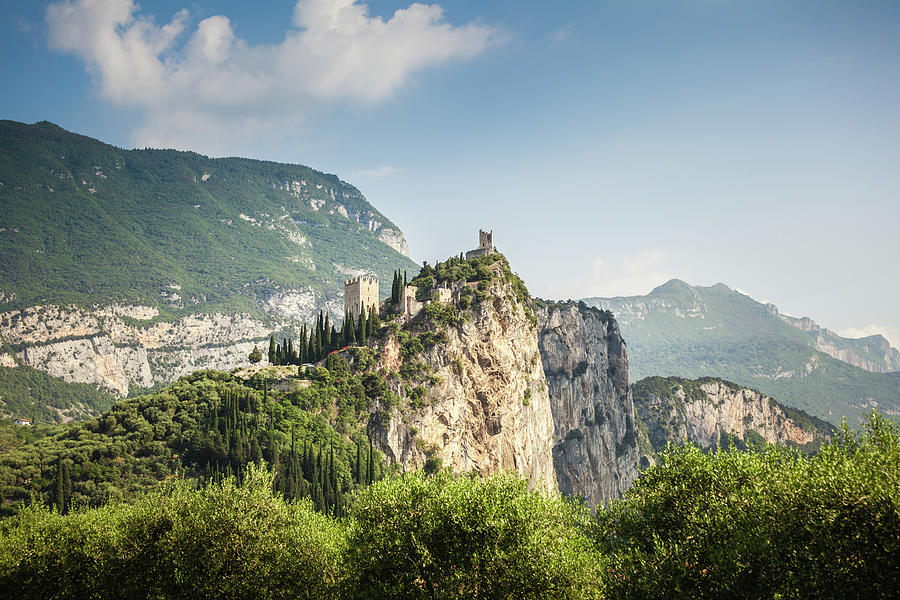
(362, 291)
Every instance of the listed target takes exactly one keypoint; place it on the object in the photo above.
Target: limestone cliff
(486, 406)
(119, 347)
(595, 449)
(710, 411)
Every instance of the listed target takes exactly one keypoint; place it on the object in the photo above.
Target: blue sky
(610, 145)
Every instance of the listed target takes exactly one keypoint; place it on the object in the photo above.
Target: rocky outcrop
(710, 411)
(595, 448)
(487, 407)
(394, 239)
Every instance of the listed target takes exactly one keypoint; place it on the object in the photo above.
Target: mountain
(124, 269)
(693, 331)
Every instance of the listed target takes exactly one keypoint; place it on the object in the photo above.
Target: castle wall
(409, 305)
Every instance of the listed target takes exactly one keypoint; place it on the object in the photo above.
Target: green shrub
(224, 541)
(444, 537)
(762, 523)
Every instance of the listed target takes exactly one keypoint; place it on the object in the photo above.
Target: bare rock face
(394, 239)
(490, 409)
(709, 411)
(118, 347)
(595, 448)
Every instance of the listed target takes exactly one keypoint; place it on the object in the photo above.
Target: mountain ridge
(694, 331)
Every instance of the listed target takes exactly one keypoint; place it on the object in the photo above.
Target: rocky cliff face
(595, 449)
(119, 347)
(488, 408)
(709, 411)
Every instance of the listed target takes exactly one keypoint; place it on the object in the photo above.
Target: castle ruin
(485, 245)
(360, 292)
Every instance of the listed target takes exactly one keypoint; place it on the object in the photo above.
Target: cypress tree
(328, 346)
(351, 329)
(256, 455)
(302, 356)
(358, 472)
(361, 327)
(370, 474)
(60, 488)
(271, 349)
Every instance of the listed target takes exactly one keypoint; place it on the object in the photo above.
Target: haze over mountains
(694, 331)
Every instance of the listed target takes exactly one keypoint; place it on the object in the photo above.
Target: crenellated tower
(360, 291)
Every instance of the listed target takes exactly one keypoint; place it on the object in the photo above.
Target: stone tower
(485, 244)
(358, 292)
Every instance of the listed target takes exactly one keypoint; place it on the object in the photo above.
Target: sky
(609, 144)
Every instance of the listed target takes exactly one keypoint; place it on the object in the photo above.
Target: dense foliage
(768, 523)
(33, 394)
(443, 537)
(206, 425)
(222, 541)
(693, 331)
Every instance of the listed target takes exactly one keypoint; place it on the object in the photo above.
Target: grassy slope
(739, 340)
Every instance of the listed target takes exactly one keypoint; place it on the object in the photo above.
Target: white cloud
(891, 333)
(201, 88)
(563, 33)
(378, 172)
(631, 275)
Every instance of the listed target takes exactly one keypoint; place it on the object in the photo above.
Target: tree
(361, 326)
(271, 349)
(445, 537)
(255, 355)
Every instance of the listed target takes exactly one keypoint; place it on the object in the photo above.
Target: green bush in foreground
(767, 523)
(464, 537)
(223, 541)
